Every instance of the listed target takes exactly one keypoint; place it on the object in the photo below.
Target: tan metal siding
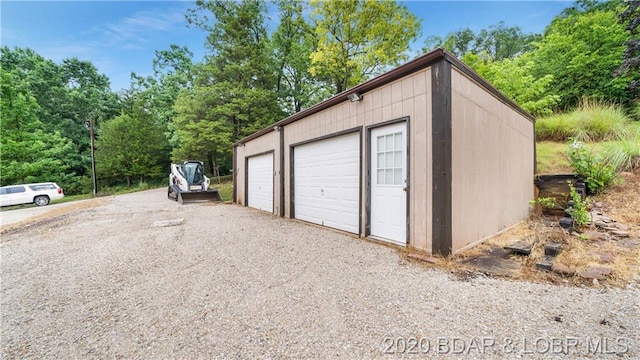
(492, 163)
(409, 96)
(267, 142)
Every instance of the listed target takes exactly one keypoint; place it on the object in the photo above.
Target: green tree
(130, 147)
(515, 79)
(630, 17)
(234, 90)
(582, 50)
(359, 38)
(503, 42)
(29, 151)
(497, 41)
(458, 43)
(293, 42)
(172, 72)
(66, 94)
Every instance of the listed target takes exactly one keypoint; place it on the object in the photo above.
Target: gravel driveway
(233, 282)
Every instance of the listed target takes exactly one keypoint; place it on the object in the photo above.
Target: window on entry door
(389, 159)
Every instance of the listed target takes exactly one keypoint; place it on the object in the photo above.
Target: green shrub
(580, 210)
(624, 155)
(591, 121)
(595, 171)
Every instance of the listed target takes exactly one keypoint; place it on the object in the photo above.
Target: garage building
(428, 155)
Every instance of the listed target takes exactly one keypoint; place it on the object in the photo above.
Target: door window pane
(389, 142)
(388, 178)
(389, 161)
(397, 177)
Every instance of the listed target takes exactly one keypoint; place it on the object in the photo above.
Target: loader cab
(192, 171)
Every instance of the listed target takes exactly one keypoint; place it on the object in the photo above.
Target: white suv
(40, 194)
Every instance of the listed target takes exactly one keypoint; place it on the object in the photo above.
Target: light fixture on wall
(354, 96)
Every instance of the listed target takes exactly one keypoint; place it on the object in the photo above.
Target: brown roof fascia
(403, 70)
(412, 66)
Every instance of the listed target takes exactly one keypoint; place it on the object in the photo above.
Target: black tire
(41, 200)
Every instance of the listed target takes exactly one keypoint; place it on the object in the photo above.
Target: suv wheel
(41, 200)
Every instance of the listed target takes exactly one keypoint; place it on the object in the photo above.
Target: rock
(603, 257)
(620, 233)
(520, 247)
(595, 282)
(593, 235)
(594, 272)
(552, 249)
(167, 223)
(545, 263)
(621, 226)
(563, 270)
(566, 222)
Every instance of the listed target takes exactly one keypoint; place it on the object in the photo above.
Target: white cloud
(135, 31)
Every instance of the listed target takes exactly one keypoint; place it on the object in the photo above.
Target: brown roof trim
(412, 66)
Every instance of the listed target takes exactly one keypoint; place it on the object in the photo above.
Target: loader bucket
(198, 196)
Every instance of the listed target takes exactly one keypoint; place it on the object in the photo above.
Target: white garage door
(327, 182)
(260, 182)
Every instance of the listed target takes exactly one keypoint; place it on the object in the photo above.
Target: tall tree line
(253, 75)
(589, 50)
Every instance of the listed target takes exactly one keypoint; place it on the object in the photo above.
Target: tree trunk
(128, 181)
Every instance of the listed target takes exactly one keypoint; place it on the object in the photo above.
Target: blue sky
(119, 37)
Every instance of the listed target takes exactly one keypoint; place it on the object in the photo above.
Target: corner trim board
(442, 242)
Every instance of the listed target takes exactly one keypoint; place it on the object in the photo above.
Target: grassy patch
(225, 189)
(552, 158)
(592, 121)
(624, 154)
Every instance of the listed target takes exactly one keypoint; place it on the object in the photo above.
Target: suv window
(42, 187)
(16, 189)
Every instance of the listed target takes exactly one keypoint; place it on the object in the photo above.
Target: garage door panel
(327, 182)
(260, 182)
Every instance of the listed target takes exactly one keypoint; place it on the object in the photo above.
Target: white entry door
(260, 182)
(389, 183)
(327, 182)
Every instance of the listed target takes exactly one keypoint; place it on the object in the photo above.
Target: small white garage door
(260, 182)
(327, 182)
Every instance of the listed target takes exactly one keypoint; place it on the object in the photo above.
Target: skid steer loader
(187, 183)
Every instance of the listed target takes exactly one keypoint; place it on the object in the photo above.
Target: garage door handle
(404, 189)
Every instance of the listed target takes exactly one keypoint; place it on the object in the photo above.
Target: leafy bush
(579, 211)
(595, 171)
(591, 121)
(624, 155)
